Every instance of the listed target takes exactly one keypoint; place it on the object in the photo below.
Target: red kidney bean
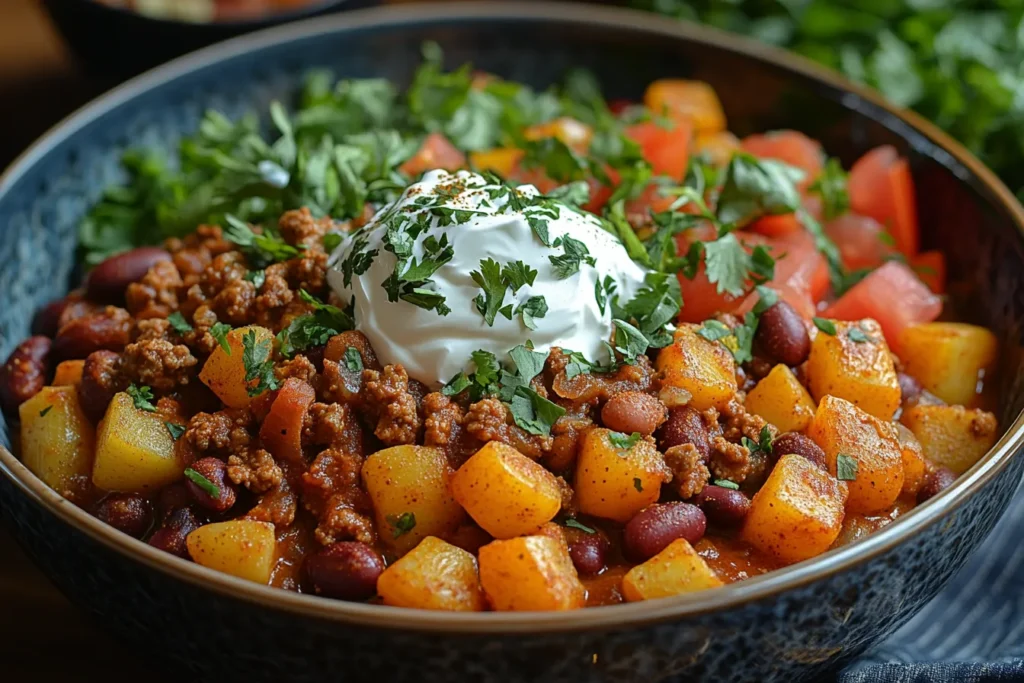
(346, 571)
(723, 506)
(685, 425)
(910, 388)
(47, 319)
(936, 482)
(76, 306)
(171, 498)
(633, 411)
(25, 373)
(654, 527)
(215, 472)
(798, 444)
(315, 354)
(171, 535)
(107, 329)
(782, 335)
(588, 551)
(107, 281)
(126, 512)
(101, 379)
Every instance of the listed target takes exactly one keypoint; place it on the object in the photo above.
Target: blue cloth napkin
(973, 631)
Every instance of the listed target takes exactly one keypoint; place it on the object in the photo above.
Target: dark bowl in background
(117, 42)
(791, 625)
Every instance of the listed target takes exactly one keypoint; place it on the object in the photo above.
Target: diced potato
(575, 134)
(68, 373)
(841, 428)
(704, 368)
(780, 399)
(224, 372)
(240, 547)
(693, 100)
(617, 483)
(433, 575)
(530, 574)
(134, 451)
(409, 487)
(502, 160)
(857, 368)
(914, 465)
(798, 512)
(953, 436)
(675, 570)
(57, 440)
(949, 359)
(505, 492)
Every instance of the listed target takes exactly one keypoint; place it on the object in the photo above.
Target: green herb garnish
(175, 430)
(353, 359)
(846, 467)
(44, 411)
(259, 367)
(142, 397)
(623, 441)
(402, 524)
(219, 332)
(638, 484)
(726, 484)
(178, 322)
(573, 524)
(825, 325)
(207, 486)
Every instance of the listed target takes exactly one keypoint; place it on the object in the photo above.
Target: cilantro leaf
(313, 329)
(353, 359)
(726, 484)
(529, 363)
(534, 413)
(756, 187)
(575, 253)
(727, 264)
(261, 248)
(456, 385)
(831, 187)
(493, 285)
(573, 524)
(259, 367)
(402, 524)
(517, 274)
(219, 331)
(623, 441)
(846, 467)
(629, 341)
(638, 484)
(178, 323)
(204, 484)
(142, 397)
(176, 431)
(256, 277)
(532, 308)
(825, 325)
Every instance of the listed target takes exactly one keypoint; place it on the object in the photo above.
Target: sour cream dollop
(488, 222)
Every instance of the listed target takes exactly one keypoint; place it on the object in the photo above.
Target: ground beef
(298, 367)
(156, 294)
(300, 227)
(597, 387)
(309, 272)
(566, 433)
(150, 329)
(255, 469)
(443, 428)
(388, 396)
(219, 434)
(489, 420)
(222, 271)
(689, 472)
(737, 423)
(275, 292)
(235, 302)
(277, 505)
(158, 363)
(729, 460)
(332, 425)
(331, 491)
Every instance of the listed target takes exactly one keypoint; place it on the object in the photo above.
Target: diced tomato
(666, 150)
(281, 432)
(930, 266)
(775, 226)
(534, 176)
(435, 152)
(893, 296)
(693, 101)
(861, 240)
(881, 187)
(791, 147)
(650, 201)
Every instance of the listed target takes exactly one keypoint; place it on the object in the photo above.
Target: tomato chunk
(790, 147)
(861, 240)
(666, 150)
(930, 266)
(775, 226)
(693, 101)
(893, 296)
(881, 187)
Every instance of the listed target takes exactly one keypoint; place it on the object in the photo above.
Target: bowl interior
(963, 211)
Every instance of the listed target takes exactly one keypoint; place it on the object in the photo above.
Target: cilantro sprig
(258, 364)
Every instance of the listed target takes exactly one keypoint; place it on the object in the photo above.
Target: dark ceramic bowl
(118, 42)
(791, 625)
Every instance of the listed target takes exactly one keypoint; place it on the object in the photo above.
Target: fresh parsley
(178, 323)
(755, 187)
(858, 335)
(262, 249)
(219, 332)
(256, 277)
(142, 397)
(623, 441)
(638, 484)
(825, 325)
(44, 411)
(175, 430)
(831, 187)
(494, 286)
(846, 467)
(517, 274)
(574, 524)
(259, 367)
(763, 443)
(332, 241)
(402, 524)
(574, 254)
(629, 341)
(531, 309)
(726, 484)
(353, 359)
(534, 413)
(204, 484)
(313, 329)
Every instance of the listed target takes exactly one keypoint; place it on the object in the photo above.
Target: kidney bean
(315, 354)
(171, 498)
(346, 571)
(798, 444)
(25, 373)
(782, 335)
(46, 321)
(170, 537)
(685, 425)
(100, 381)
(108, 280)
(654, 527)
(910, 388)
(940, 479)
(633, 411)
(106, 329)
(215, 472)
(75, 306)
(588, 551)
(723, 506)
(126, 512)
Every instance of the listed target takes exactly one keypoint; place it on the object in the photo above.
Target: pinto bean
(25, 373)
(633, 411)
(936, 482)
(798, 444)
(107, 329)
(654, 527)
(108, 281)
(685, 425)
(215, 472)
(723, 506)
(346, 571)
(126, 512)
(782, 335)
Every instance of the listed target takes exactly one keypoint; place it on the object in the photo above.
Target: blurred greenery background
(958, 62)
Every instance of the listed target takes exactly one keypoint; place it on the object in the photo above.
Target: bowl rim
(608, 618)
(260, 21)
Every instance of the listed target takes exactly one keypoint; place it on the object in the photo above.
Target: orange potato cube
(952, 436)
(949, 359)
(505, 492)
(675, 570)
(410, 490)
(134, 451)
(502, 160)
(798, 512)
(68, 373)
(841, 428)
(433, 575)
(858, 368)
(704, 368)
(240, 547)
(616, 483)
(693, 100)
(530, 574)
(224, 372)
(575, 134)
(57, 441)
(780, 399)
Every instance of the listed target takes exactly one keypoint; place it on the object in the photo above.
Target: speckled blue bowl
(791, 625)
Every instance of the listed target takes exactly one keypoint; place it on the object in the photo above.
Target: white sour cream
(434, 348)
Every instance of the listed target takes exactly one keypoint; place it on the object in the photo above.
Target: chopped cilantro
(175, 430)
(332, 241)
(575, 253)
(517, 274)
(313, 329)
(207, 486)
(629, 341)
(714, 330)
(44, 411)
(178, 322)
(623, 441)
(756, 187)
(831, 187)
(763, 443)
(219, 331)
(353, 359)
(402, 524)
(846, 467)
(259, 367)
(638, 484)
(534, 413)
(573, 524)
(727, 264)
(493, 285)
(726, 484)
(531, 309)
(529, 363)
(456, 385)
(574, 194)
(856, 334)
(262, 249)
(825, 325)
(617, 224)
(142, 397)
(256, 277)
(604, 290)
